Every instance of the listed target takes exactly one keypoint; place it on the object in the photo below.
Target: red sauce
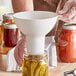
(10, 37)
(67, 45)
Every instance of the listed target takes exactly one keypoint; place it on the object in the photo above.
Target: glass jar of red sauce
(7, 18)
(10, 35)
(66, 46)
(11, 32)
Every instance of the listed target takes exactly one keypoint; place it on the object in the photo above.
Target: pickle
(46, 73)
(33, 67)
(42, 70)
(24, 72)
(26, 64)
(37, 70)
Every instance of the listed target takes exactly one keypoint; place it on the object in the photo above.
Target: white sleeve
(11, 62)
(50, 49)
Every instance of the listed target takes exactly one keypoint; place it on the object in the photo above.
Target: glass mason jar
(35, 65)
(67, 43)
(8, 18)
(10, 35)
(10, 30)
(1, 33)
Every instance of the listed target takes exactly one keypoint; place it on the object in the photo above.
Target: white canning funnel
(35, 25)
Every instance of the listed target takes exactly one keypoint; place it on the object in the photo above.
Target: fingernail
(60, 12)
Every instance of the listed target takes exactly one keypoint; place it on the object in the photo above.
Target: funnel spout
(35, 44)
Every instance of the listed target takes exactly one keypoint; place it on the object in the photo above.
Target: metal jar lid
(68, 26)
(8, 16)
(10, 26)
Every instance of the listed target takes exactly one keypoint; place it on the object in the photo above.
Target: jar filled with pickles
(35, 65)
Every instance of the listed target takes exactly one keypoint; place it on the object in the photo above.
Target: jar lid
(69, 26)
(8, 16)
(10, 26)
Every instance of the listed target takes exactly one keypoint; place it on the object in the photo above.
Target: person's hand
(19, 51)
(68, 13)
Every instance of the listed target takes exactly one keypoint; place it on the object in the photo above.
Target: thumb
(66, 7)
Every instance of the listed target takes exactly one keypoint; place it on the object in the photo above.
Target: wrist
(22, 5)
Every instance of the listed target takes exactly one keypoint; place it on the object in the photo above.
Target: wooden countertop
(4, 50)
(61, 68)
(9, 73)
(53, 71)
(56, 71)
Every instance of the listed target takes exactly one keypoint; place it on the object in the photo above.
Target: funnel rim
(16, 15)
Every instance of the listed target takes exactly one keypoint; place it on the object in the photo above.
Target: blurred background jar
(66, 46)
(8, 18)
(10, 35)
(10, 30)
(1, 33)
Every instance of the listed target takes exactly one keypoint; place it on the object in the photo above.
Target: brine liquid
(34, 67)
(10, 37)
